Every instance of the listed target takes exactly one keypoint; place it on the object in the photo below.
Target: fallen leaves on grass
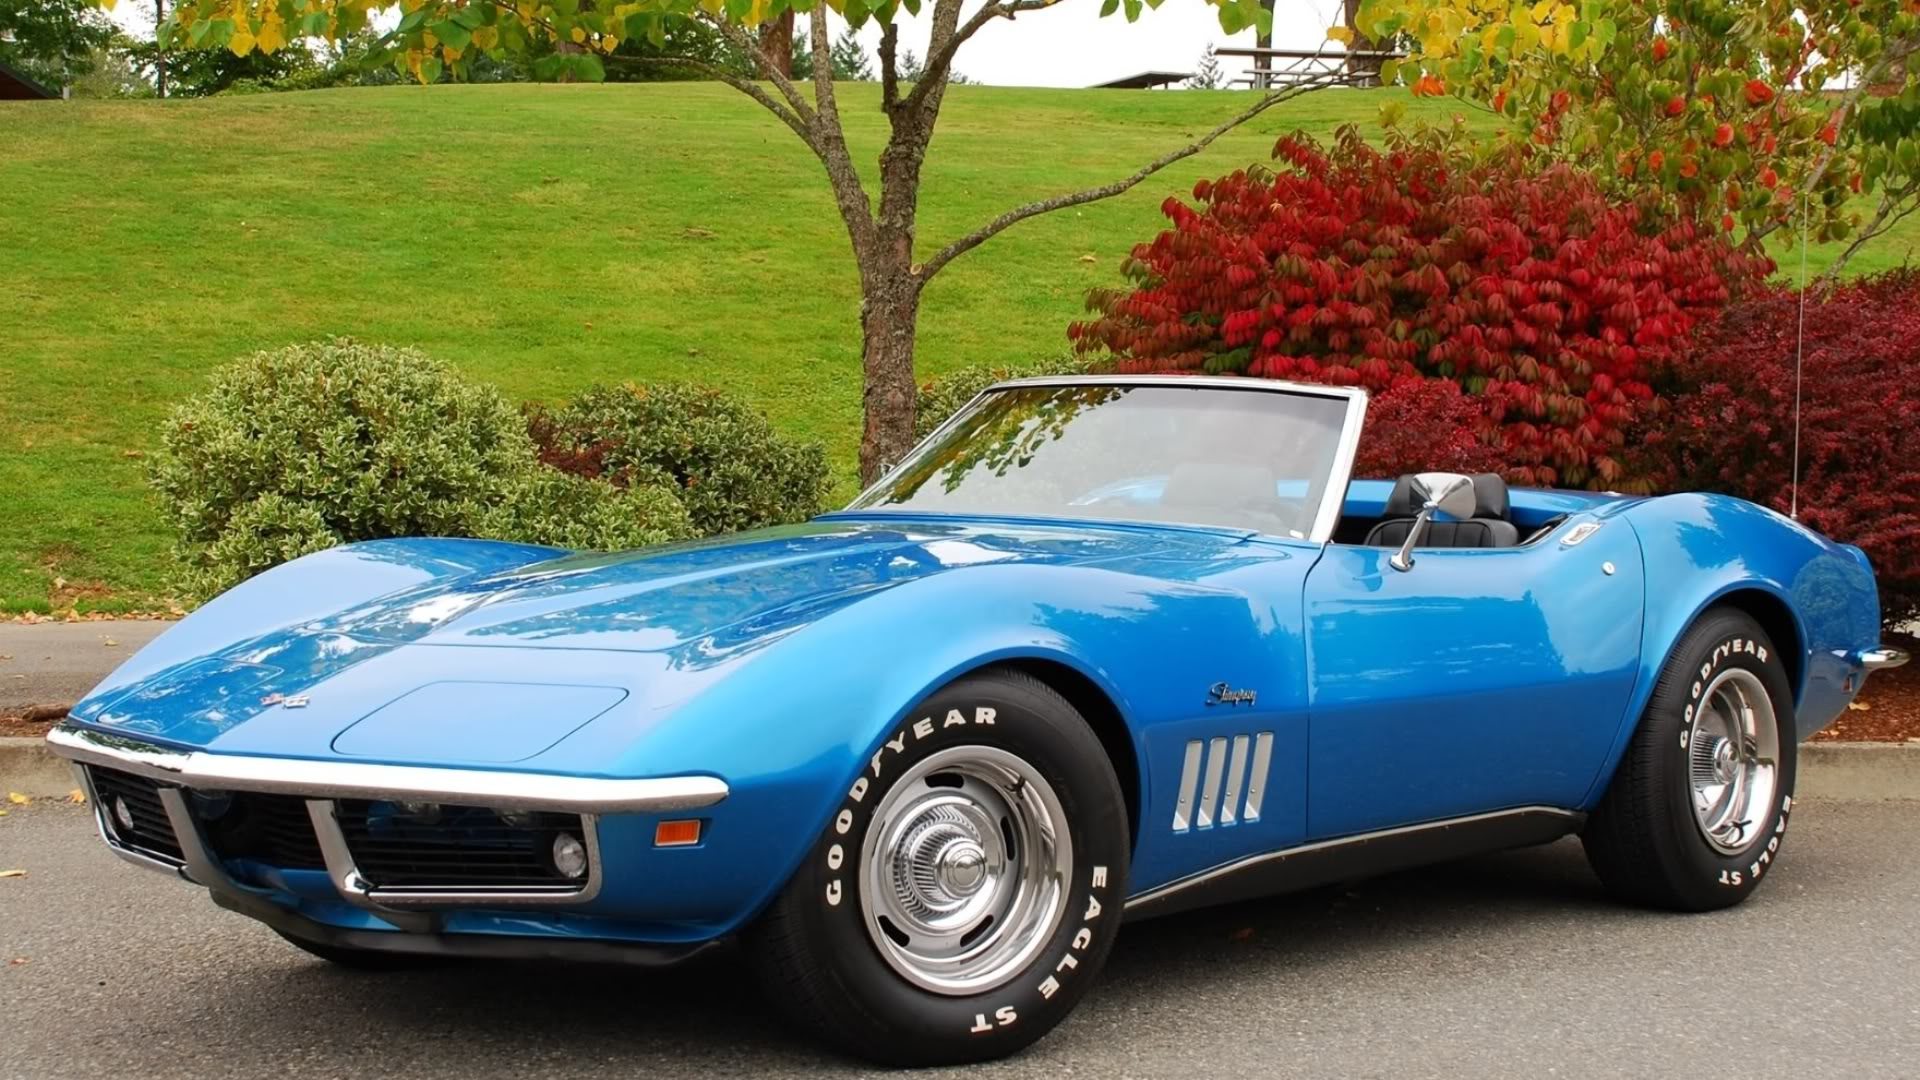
(77, 797)
(73, 615)
(17, 799)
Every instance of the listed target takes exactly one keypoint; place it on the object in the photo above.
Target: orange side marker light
(676, 833)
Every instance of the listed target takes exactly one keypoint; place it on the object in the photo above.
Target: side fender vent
(1231, 792)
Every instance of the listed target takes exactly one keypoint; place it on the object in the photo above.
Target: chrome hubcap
(965, 869)
(1733, 753)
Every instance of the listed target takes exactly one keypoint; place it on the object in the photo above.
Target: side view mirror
(1449, 493)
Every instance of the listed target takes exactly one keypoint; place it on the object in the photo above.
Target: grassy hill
(541, 237)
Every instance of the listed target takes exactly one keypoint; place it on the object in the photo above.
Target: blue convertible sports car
(1099, 649)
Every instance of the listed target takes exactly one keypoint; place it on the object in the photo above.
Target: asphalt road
(54, 663)
(1510, 965)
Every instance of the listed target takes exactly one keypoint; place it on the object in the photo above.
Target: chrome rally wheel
(966, 868)
(1733, 752)
(964, 894)
(1696, 811)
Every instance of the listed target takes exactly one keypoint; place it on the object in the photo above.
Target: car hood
(661, 599)
(595, 633)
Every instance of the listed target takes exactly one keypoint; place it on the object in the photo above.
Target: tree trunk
(889, 314)
(159, 50)
(1263, 39)
(776, 43)
(1364, 72)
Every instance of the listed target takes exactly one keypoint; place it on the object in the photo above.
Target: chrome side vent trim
(1257, 782)
(1189, 776)
(1236, 774)
(1231, 793)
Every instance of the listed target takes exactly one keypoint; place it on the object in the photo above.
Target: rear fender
(1701, 549)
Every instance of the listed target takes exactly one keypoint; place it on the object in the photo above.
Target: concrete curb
(1859, 771)
(1850, 771)
(28, 768)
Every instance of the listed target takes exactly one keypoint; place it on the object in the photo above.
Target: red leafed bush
(1420, 425)
(1554, 308)
(1860, 420)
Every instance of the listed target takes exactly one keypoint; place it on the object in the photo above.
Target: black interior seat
(1490, 527)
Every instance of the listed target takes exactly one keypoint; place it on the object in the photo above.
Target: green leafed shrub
(297, 449)
(546, 506)
(941, 397)
(720, 455)
(259, 535)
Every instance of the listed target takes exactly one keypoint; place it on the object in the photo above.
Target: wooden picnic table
(1354, 67)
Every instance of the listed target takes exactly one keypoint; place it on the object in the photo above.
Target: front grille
(270, 829)
(426, 846)
(123, 797)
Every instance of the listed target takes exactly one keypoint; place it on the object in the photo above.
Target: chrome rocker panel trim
(1366, 854)
(356, 780)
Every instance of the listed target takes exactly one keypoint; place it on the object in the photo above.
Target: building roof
(15, 86)
(1145, 80)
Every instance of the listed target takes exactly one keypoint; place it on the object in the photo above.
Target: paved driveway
(1510, 965)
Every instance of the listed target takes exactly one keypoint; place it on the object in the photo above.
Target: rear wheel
(1696, 812)
(967, 889)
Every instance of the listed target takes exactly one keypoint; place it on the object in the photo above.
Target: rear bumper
(178, 773)
(1883, 658)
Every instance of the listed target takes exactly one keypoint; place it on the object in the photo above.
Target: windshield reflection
(1203, 455)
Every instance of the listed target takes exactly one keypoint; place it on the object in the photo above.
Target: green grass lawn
(541, 237)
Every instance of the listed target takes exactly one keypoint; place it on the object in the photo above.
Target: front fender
(791, 726)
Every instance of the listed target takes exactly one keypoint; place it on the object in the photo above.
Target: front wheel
(967, 889)
(1698, 807)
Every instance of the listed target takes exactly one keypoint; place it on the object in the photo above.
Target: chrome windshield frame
(1326, 516)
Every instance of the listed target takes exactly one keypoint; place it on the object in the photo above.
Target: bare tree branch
(830, 142)
(889, 68)
(940, 51)
(1890, 58)
(745, 42)
(1013, 217)
(745, 86)
(1894, 208)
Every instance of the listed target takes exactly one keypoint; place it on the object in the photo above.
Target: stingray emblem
(1222, 694)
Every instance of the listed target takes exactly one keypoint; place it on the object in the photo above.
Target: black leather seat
(1490, 526)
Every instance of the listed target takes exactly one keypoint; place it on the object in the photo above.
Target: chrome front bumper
(321, 783)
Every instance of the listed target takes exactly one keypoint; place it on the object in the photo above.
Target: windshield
(1198, 455)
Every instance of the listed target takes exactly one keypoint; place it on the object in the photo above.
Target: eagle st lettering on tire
(1696, 811)
(970, 877)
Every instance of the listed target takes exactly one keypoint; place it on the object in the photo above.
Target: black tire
(369, 960)
(1644, 840)
(820, 963)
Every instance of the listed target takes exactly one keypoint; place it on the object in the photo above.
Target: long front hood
(500, 665)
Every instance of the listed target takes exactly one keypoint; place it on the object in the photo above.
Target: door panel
(1478, 680)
